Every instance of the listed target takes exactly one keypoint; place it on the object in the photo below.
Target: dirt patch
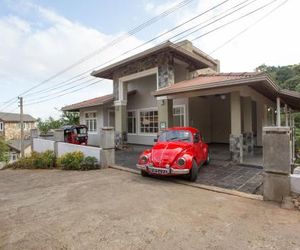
(111, 209)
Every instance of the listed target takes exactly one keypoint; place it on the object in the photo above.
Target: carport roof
(259, 81)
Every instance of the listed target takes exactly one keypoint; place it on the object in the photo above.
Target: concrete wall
(60, 148)
(63, 148)
(41, 145)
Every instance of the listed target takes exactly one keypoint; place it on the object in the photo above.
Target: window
(91, 121)
(175, 135)
(1, 126)
(178, 116)
(149, 121)
(131, 122)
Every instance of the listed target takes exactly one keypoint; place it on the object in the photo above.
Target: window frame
(139, 118)
(136, 121)
(1, 126)
(183, 114)
(91, 119)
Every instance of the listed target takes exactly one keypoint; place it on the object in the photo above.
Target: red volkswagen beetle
(178, 151)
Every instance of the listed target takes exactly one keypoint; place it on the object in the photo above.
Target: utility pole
(22, 125)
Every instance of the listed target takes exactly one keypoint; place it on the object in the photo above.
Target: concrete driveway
(111, 209)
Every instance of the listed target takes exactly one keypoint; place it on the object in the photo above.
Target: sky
(42, 38)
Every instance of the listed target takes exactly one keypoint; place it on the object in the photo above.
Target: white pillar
(247, 114)
(235, 104)
(278, 118)
(286, 115)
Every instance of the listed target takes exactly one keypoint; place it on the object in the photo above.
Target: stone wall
(12, 130)
(236, 142)
(248, 142)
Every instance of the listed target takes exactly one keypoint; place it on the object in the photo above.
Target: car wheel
(207, 160)
(194, 172)
(144, 173)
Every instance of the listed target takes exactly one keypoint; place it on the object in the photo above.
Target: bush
(77, 161)
(71, 161)
(89, 163)
(44, 160)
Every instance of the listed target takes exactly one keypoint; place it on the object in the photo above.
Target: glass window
(1, 126)
(175, 135)
(178, 116)
(91, 121)
(149, 121)
(131, 122)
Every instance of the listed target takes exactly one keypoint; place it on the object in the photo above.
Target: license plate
(159, 171)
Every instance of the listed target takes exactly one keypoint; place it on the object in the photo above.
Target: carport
(230, 110)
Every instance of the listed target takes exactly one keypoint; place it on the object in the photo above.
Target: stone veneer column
(236, 138)
(248, 143)
(166, 77)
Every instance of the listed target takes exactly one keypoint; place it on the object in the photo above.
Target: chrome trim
(172, 170)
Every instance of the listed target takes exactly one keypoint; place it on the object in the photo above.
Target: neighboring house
(10, 127)
(179, 85)
(15, 149)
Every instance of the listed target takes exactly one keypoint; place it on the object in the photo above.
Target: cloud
(33, 50)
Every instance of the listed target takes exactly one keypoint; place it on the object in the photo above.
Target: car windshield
(175, 135)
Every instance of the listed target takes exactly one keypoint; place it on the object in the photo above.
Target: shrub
(89, 163)
(77, 161)
(71, 161)
(36, 160)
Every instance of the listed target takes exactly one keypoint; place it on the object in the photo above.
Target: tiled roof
(89, 103)
(207, 79)
(93, 102)
(13, 117)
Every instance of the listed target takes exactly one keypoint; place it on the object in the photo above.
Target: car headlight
(144, 159)
(181, 162)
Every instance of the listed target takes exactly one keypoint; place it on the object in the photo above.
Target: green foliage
(3, 150)
(36, 160)
(77, 161)
(70, 118)
(48, 124)
(89, 163)
(70, 161)
(67, 118)
(288, 77)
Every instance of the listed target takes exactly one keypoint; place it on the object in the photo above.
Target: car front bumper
(162, 171)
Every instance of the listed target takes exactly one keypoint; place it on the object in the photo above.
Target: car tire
(144, 173)
(194, 172)
(206, 163)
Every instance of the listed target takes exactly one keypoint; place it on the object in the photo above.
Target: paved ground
(111, 209)
(220, 172)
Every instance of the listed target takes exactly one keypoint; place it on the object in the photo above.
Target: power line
(115, 41)
(219, 27)
(248, 27)
(61, 84)
(41, 98)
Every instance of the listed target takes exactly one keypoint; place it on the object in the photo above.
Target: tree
(67, 118)
(70, 118)
(3, 150)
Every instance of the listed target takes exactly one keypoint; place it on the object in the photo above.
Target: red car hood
(165, 153)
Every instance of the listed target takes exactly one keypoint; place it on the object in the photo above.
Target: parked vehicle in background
(76, 134)
(178, 151)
